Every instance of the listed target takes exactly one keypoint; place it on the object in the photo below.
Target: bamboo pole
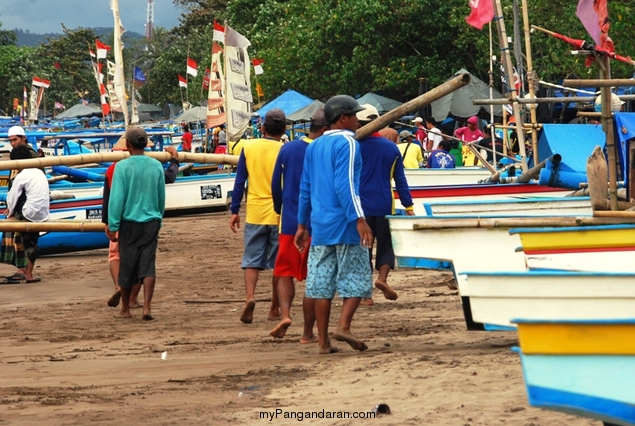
(602, 82)
(414, 104)
(480, 157)
(530, 77)
(529, 101)
(607, 124)
(626, 214)
(73, 160)
(53, 226)
(507, 63)
(521, 222)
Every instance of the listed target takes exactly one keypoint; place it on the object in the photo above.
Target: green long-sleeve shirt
(137, 193)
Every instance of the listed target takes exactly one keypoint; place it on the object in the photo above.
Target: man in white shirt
(28, 200)
(434, 134)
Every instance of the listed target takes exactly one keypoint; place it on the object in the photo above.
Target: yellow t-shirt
(412, 157)
(260, 159)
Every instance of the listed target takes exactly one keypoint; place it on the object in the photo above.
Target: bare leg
(113, 266)
(308, 308)
(134, 296)
(343, 331)
(28, 273)
(286, 293)
(148, 292)
(274, 311)
(125, 304)
(251, 279)
(382, 283)
(322, 314)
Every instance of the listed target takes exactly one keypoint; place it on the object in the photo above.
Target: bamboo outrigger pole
(530, 82)
(74, 160)
(414, 104)
(7, 225)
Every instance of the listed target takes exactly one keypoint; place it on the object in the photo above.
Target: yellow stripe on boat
(577, 338)
(577, 239)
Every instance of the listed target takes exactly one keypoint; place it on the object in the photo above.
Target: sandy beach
(64, 359)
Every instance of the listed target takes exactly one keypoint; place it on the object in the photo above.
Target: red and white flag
(482, 13)
(219, 32)
(92, 54)
(102, 49)
(594, 15)
(182, 81)
(258, 65)
(191, 67)
(40, 82)
(59, 105)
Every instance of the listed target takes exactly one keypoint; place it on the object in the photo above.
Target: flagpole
(491, 91)
(187, 75)
(511, 88)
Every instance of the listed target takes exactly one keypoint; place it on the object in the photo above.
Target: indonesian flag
(482, 13)
(102, 49)
(182, 81)
(206, 78)
(258, 65)
(40, 82)
(191, 67)
(594, 15)
(219, 32)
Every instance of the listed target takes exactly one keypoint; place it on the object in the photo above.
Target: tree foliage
(321, 47)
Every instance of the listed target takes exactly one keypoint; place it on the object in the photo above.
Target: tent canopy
(289, 102)
(305, 113)
(81, 110)
(197, 113)
(459, 102)
(382, 103)
(149, 108)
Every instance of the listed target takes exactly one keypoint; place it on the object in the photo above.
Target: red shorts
(290, 262)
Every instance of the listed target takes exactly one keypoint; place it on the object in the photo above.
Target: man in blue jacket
(329, 197)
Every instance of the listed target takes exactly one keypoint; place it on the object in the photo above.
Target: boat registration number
(211, 192)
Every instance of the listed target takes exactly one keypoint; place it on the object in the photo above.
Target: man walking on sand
(135, 209)
(290, 263)
(329, 197)
(256, 163)
(381, 165)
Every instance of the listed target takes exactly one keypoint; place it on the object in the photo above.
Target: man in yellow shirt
(256, 163)
(410, 150)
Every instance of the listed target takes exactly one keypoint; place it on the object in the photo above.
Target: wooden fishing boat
(470, 244)
(457, 176)
(584, 367)
(592, 248)
(489, 191)
(557, 206)
(498, 297)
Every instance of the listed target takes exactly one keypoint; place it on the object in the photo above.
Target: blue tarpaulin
(289, 102)
(574, 143)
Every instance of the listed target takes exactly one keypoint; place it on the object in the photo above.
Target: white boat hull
(498, 298)
(457, 176)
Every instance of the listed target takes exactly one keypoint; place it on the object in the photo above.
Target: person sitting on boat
(420, 134)
(113, 247)
(410, 150)
(441, 158)
(28, 201)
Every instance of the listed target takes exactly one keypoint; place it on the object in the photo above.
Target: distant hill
(27, 38)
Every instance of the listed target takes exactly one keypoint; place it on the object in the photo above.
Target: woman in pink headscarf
(469, 134)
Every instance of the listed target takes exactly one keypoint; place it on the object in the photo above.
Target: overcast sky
(46, 16)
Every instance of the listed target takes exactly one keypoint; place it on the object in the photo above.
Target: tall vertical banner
(238, 84)
(215, 100)
(33, 108)
(25, 100)
(118, 79)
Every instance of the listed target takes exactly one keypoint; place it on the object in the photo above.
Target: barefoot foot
(248, 313)
(135, 305)
(353, 342)
(147, 316)
(329, 350)
(310, 339)
(122, 315)
(389, 293)
(281, 329)
(114, 299)
(366, 302)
